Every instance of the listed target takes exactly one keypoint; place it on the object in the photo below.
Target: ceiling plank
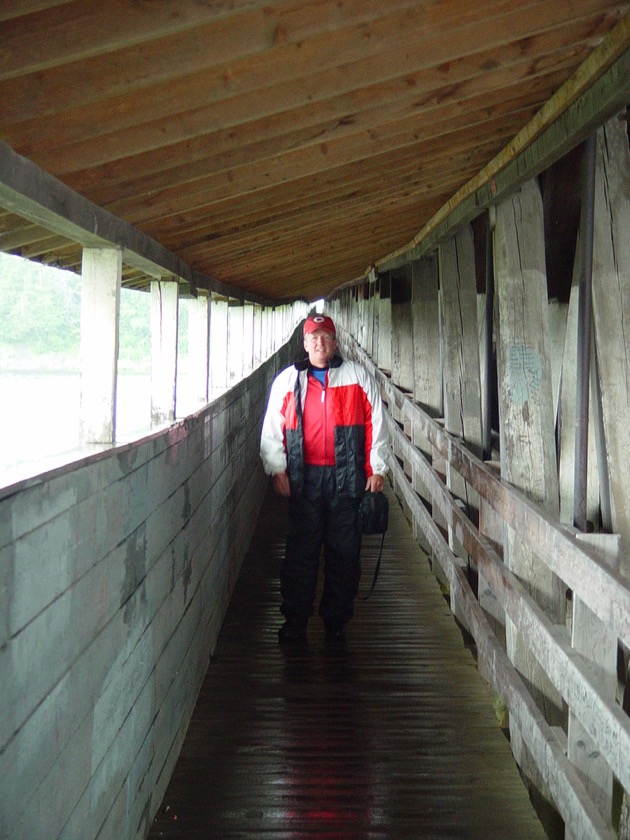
(33, 194)
(583, 104)
(239, 48)
(155, 118)
(85, 28)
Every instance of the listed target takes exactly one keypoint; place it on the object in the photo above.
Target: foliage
(40, 313)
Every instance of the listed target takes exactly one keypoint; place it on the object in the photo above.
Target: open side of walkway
(391, 736)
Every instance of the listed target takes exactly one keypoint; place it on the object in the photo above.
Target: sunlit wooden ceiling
(280, 147)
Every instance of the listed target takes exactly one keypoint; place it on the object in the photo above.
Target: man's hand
(280, 483)
(375, 483)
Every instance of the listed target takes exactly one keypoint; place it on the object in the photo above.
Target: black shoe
(292, 631)
(335, 634)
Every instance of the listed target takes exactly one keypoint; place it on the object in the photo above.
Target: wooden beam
(33, 194)
(595, 93)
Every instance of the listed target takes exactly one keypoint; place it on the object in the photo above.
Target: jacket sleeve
(272, 439)
(379, 452)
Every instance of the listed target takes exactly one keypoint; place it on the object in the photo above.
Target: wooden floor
(392, 736)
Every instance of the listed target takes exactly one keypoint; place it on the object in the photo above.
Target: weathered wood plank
(426, 330)
(611, 290)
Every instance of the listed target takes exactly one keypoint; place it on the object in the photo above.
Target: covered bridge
(452, 180)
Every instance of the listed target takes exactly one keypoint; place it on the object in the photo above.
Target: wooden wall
(536, 345)
(115, 576)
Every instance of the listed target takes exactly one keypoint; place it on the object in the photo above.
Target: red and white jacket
(339, 424)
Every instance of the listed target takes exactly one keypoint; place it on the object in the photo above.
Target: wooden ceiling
(282, 148)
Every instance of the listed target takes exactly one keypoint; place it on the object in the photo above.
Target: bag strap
(376, 570)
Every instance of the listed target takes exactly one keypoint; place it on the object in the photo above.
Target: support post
(528, 451)
(218, 346)
(100, 305)
(198, 348)
(584, 333)
(427, 364)
(164, 312)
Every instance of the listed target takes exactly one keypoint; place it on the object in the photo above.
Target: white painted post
(100, 305)
(218, 346)
(199, 347)
(164, 311)
(248, 339)
(258, 342)
(235, 343)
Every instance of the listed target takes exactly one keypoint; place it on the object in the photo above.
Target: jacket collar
(303, 364)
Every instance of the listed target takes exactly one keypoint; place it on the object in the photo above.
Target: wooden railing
(580, 658)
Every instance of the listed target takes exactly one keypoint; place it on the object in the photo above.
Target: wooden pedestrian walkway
(391, 736)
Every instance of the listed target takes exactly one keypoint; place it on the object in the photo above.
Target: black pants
(320, 517)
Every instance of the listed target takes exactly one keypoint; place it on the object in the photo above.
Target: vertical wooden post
(462, 385)
(199, 348)
(427, 364)
(369, 338)
(598, 644)
(402, 329)
(375, 299)
(164, 312)
(385, 324)
(100, 305)
(611, 311)
(566, 423)
(528, 454)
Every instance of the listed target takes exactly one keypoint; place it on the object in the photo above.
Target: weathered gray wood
(402, 329)
(462, 387)
(567, 424)
(528, 456)
(100, 305)
(604, 590)
(384, 360)
(460, 360)
(427, 364)
(611, 310)
(569, 794)
(595, 641)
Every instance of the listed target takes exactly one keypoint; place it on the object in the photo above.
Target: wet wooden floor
(391, 736)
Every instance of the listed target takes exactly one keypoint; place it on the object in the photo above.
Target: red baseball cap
(319, 322)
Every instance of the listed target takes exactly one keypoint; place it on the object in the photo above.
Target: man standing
(323, 443)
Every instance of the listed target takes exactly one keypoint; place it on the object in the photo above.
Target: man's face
(320, 346)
